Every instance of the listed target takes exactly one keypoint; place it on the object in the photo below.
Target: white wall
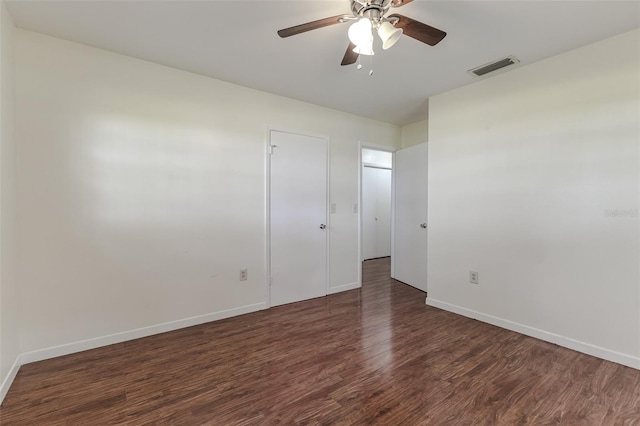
(374, 157)
(414, 134)
(9, 332)
(525, 169)
(141, 193)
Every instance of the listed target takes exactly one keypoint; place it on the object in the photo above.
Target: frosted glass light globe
(360, 32)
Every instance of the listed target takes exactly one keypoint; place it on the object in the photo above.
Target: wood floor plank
(377, 355)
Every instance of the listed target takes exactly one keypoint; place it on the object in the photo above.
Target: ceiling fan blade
(350, 56)
(398, 3)
(314, 25)
(418, 30)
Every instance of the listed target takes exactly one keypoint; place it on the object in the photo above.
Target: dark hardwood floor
(377, 355)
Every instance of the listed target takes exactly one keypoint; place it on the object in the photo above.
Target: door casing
(367, 145)
(268, 150)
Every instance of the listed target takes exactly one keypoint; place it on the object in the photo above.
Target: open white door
(410, 220)
(298, 217)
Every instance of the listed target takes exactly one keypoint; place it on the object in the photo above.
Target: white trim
(376, 166)
(8, 381)
(393, 214)
(327, 212)
(567, 342)
(267, 218)
(359, 226)
(344, 287)
(376, 147)
(296, 132)
(124, 336)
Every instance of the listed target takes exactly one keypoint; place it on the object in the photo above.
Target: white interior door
(376, 212)
(298, 217)
(410, 221)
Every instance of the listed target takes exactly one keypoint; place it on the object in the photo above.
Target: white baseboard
(344, 287)
(587, 348)
(6, 383)
(110, 339)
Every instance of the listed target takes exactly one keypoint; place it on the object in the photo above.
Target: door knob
(322, 226)
(423, 225)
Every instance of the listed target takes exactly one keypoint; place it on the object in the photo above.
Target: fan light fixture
(360, 34)
(389, 34)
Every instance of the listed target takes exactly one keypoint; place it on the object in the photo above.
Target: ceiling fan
(369, 16)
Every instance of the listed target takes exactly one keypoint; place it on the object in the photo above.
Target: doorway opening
(405, 238)
(376, 189)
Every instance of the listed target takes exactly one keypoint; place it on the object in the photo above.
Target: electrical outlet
(473, 277)
(333, 207)
(244, 274)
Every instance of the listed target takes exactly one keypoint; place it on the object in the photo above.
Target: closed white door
(298, 217)
(376, 212)
(410, 221)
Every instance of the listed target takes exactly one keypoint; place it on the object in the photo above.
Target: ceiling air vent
(494, 66)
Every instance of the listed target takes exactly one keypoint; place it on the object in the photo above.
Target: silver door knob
(322, 226)
(423, 225)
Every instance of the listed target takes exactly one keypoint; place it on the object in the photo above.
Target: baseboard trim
(344, 287)
(6, 383)
(576, 345)
(69, 348)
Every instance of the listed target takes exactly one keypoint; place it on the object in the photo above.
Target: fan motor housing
(374, 9)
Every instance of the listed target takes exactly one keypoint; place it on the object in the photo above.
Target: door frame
(267, 281)
(366, 145)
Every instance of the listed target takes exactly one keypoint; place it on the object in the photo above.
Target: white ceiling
(236, 41)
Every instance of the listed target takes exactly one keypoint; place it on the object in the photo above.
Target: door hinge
(270, 281)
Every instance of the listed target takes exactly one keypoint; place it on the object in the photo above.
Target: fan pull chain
(371, 65)
(359, 66)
